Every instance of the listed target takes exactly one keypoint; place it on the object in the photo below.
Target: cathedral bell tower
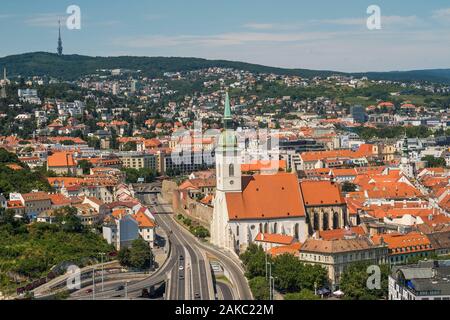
(228, 157)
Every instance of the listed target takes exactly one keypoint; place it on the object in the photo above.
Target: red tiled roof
(61, 159)
(143, 220)
(264, 165)
(289, 249)
(274, 238)
(320, 193)
(404, 243)
(266, 197)
(341, 233)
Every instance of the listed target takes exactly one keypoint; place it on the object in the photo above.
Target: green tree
(93, 142)
(129, 146)
(287, 269)
(67, 143)
(254, 260)
(260, 288)
(133, 175)
(23, 180)
(68, 220)
(348, 187)
(304, 294)
(354, 282)
(434, 162)
(85, 165)
(199, 232)
(293, 276)
(124, 256)
(141, 256)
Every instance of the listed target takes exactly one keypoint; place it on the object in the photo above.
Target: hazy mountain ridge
(71, 67)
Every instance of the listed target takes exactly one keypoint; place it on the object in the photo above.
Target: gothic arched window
(231, 170)
(297, 231)
(335, 220)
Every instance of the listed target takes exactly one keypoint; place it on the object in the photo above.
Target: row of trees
(138, 256)
(133, 175)
(434, 162)
(29, 251)
(196, 229)
(292, 277)
(393, 132)
(298, 281)
(23, 180)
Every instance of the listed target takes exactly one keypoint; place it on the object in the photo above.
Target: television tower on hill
(3, 84)
(60, 47)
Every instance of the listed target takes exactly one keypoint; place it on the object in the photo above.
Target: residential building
(338, 254)
(403, 247)
(426, 280)
(63, 163)
(120, 231)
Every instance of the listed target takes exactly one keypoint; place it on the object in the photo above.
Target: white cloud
(45, 20)
(389, 21)
(224, 39)
(442, 15)
(408, 21)
(259, 26)
(5, 16)
(344, 50)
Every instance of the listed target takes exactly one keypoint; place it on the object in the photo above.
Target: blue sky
(315, 34)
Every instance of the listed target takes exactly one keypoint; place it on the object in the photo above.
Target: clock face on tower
(231, 182)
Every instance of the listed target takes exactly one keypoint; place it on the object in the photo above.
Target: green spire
(227, 138)
(227, 113)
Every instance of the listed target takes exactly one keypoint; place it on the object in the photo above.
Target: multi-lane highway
(186, 272)
(191, 278)
(198, 249)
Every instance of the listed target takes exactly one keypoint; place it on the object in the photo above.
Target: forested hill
(70, 67)
(73, 66)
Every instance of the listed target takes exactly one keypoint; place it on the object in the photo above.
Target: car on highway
(89, 291)
(180, 268)
(181, 276)
(181, 257)
(145, 293)
(119, 288)
(197, 296)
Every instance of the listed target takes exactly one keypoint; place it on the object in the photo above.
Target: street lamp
(269, 278)
(102, 254)
(93, 283)
(273, 286)
(265, 254)
(126, 289)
